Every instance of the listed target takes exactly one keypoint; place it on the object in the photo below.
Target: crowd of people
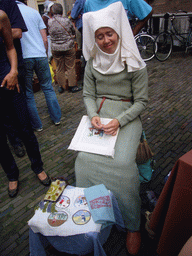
(28, 42)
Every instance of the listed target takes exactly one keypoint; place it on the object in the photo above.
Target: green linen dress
(119, 174)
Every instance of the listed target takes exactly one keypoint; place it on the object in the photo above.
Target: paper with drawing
(91, 140)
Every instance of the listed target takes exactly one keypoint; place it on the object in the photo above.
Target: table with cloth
(171, 219)
(73, 239)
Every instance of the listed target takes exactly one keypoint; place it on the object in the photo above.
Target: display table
(171, 219)
(78, 244)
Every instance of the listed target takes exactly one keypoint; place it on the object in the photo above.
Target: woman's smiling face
(107, 39)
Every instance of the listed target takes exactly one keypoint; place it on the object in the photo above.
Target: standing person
(62, 35)
(77, 13)
(116, 82)
(34, 47)
(17, 27)
(46, 16)
(134, 8)
(12, 104)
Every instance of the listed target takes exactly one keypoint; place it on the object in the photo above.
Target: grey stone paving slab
(167, 122)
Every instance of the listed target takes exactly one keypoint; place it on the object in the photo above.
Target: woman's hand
(11, 81)
(111, 128)
(96, 122)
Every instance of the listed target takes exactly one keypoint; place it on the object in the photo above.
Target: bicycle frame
(164, 39)
(185, 41)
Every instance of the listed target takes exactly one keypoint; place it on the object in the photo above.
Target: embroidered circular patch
(81, 217)
(80, 201)
(63, 202)
(56, 219)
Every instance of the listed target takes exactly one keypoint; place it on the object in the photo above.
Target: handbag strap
(142, 136)
(64, 28)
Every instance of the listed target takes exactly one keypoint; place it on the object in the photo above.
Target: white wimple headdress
(113, 16)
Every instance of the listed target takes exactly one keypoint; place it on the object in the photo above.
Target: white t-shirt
(31, 41)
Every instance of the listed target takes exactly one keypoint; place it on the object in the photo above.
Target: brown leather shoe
(133, 242)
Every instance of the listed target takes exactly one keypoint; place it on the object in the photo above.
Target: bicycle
(164, 40)
(146, 45)
(145, 42)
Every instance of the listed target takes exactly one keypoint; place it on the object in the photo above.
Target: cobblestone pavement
(167, 122)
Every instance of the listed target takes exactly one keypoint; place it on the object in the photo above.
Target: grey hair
(57, 9)
(46, 5)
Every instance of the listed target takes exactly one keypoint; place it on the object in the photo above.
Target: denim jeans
(42, 70)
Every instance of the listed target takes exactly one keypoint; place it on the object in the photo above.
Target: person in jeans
(62, 35)
(13, 106)
(34, 46)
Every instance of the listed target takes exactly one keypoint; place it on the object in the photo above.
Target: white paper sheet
(90, 140)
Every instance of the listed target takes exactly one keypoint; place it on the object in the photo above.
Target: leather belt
(104, 98)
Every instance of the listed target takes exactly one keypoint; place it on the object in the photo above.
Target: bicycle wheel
(145, 44)
(164, 43)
